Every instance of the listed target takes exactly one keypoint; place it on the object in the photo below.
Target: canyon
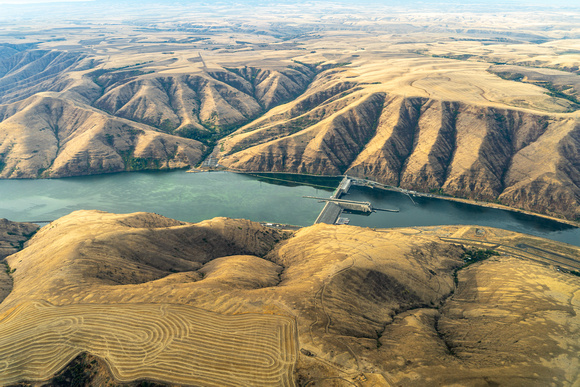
(479, 102)
(485, 114)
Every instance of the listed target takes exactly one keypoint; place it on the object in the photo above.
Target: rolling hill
(227, 302)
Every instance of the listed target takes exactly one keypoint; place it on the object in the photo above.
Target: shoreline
(474, 203)
(375, 184)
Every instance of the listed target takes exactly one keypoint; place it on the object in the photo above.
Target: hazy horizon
(28, 2)
(556, 3)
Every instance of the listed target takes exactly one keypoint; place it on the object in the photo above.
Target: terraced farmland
(173, 343)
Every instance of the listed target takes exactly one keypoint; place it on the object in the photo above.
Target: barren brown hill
(71, 121)
(217, 100)
(521, 158)
(25, 72)
(427, 124)
(46, 136)
(229, 302)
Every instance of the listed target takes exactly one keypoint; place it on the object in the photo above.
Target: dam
(350, 205)
(334, 206)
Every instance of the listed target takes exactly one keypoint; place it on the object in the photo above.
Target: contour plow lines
(173, 343)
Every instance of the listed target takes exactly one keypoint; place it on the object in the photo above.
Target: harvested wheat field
(172, 343)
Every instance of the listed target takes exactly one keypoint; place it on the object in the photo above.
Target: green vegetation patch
(557, 92)
(133, 163)
(167, 126)
(80, 372)
(453, 56)
(573, 272)
(507, 75)
(8, 270)
(206, 137)
(298, 124)
(471, 256)
(107, 77)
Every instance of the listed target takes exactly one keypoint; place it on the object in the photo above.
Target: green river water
(194, 197)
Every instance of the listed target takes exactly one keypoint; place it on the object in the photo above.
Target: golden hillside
(140, 297)
(524, 159)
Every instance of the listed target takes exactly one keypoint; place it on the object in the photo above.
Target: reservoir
(193, 197)
(190, 197)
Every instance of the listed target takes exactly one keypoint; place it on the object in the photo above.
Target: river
(193, 197)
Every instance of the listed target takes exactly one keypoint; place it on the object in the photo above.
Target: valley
(474, 109)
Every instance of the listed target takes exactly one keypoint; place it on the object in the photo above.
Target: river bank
(479, 203)
(377, 185)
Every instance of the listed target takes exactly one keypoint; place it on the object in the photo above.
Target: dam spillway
(334, 206)
(331, 211)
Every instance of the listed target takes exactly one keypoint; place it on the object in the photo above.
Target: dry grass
(163, 300)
